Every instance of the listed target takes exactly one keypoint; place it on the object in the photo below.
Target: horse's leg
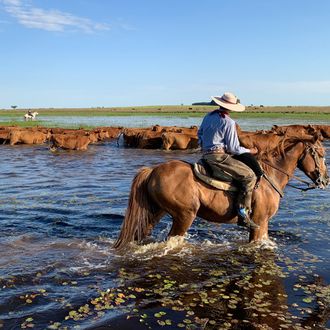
(181, 223)
(260, 234)
(264, 205)
(261, 216)
(155, 221)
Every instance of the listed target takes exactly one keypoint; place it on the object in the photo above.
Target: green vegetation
(12, 117)
(21, 123)
(161, 109)
(284, 115)
(44, 124)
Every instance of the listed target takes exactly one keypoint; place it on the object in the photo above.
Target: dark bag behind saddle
(249, 160)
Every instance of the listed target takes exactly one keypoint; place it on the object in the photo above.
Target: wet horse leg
(181, 223)
(264, 206)
(260, 234)
(155, 221)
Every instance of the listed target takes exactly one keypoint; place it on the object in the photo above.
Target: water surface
(61, 212)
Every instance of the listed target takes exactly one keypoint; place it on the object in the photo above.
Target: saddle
(204, 172)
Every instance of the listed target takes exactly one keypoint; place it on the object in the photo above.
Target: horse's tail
(140, 211)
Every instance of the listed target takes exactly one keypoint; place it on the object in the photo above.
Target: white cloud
(50, 20)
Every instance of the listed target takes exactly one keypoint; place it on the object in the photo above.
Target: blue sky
(90, 53)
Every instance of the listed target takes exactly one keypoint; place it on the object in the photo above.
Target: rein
(274, 186)
(310, 186)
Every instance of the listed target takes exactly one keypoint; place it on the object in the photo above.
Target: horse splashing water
(172, 188)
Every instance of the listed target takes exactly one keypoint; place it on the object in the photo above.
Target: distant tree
(13, 106)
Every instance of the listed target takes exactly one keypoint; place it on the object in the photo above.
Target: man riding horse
(223, 153)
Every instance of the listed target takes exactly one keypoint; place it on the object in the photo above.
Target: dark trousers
(249, 160)
(238, 171)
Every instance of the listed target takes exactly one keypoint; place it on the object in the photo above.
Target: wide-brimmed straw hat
(229, 101)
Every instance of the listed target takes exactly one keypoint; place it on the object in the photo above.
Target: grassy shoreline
(15, 117)
(164, 109)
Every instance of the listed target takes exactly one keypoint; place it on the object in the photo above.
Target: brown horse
(172, 188)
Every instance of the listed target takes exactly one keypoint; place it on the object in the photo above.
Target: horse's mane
(271, 144)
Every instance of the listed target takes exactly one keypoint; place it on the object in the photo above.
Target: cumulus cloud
(50, 20)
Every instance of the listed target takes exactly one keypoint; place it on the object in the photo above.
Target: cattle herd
(155, 137)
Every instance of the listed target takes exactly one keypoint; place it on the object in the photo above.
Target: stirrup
(245, 220)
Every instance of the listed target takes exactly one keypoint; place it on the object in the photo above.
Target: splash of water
(160, 249)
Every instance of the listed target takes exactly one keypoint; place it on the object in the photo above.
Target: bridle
(312, 150)
(317, 159)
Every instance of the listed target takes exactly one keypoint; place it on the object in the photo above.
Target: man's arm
(231, 139)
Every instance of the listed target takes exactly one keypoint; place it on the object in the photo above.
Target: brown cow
(324, 130)
(113, 132)
(189, 130)
(72, 141)
(260, 140)
(179, 141)
(4, 135)
(27, 137)
(150, 140)
(294, 130)
(58, 130)
(158, 128)
(100, 134)
(303, 131)
(131, 136)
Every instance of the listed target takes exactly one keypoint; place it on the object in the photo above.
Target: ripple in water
(61, 213)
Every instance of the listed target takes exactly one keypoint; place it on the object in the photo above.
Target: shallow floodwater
(61, 212)
(146, 121)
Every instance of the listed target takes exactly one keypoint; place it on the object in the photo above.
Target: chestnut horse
(172, 188)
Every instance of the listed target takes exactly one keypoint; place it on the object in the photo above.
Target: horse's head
(313, 163)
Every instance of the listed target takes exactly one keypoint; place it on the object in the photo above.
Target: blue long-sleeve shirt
(219, 132)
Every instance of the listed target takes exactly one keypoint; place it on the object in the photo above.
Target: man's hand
(254, 150)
